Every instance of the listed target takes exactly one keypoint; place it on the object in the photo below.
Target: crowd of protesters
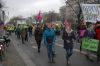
(92, 31)
(48, 35)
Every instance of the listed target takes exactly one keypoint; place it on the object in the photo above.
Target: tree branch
(71, 8)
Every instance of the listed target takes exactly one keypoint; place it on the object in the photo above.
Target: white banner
(91, 12)
(21, 22)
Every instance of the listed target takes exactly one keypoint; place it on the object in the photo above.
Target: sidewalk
(12, 57)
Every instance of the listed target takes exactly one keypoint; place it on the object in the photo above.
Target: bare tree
(1, 4)
(76, 7)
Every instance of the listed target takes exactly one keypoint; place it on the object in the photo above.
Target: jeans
(18, 36)
(53, 48)
(38, 44)
(50, 52)
(69, 52)
(30, 34)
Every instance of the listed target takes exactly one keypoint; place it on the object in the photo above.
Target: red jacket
(97, 33)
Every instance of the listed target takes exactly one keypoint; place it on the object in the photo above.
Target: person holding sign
(82, 31)
(97, 30)
(68, 36)
(89, 34)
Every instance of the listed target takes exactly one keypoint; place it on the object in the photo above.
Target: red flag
(39, 16)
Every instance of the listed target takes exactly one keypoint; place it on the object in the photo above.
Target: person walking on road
(97, 30)
(68, 36)
(38, 37)
(53, 27)
(90, 34)
(18, 32)
(23, 35)
(30, 31)
(49, 39)
(26, 36)
(82, 31)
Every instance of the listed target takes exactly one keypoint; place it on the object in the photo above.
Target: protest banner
(90, 44)
(91, 12)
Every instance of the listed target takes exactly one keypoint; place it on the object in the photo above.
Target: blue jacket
(49, 32)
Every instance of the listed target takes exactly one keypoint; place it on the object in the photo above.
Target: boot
(53, 60)
(38, 50)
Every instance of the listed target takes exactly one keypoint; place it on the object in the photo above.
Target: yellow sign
(10, 27)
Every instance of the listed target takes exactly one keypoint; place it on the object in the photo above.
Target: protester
(68, 36)
(30, 31)
(26, 36)
(90, 34)
(23, 35)
(53, 27)
(82, 31)
(17, 31)
(97, 30)
(38, 37)
(49, 39)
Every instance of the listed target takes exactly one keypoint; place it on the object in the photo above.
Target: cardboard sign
(90, 44)
(91, 12)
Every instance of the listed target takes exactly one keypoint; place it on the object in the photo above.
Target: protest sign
(91, 12)
(90, 44)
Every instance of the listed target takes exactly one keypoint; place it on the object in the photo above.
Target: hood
(48, 28)
(69, 31)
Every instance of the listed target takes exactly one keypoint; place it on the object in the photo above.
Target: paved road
(31, 57)
(12, 57)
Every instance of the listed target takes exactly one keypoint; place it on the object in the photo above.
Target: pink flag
(39, 16)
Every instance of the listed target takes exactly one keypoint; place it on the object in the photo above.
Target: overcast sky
(28, 7)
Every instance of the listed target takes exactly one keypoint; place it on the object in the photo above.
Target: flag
(39, 16)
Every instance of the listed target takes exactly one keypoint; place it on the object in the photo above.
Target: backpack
(49, 39)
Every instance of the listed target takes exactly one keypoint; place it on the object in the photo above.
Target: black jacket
(68, 39)
(38, 34)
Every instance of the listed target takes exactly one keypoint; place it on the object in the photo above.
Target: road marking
(24, 56)
(76, 50)
(35, 47)
(75, 42)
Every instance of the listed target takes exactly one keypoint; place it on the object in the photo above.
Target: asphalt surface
(12, 57)
(28, 52)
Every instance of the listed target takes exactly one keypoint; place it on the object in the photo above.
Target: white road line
(34, 47)
(76, 50)
(24, 56)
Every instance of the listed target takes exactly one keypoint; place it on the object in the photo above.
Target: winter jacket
(97, 30)
(90, 33)
(17, 31)
(82, 32)
(38, 34)
(30, 29)
(23, 33)
(49, 36)
(68, 39)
